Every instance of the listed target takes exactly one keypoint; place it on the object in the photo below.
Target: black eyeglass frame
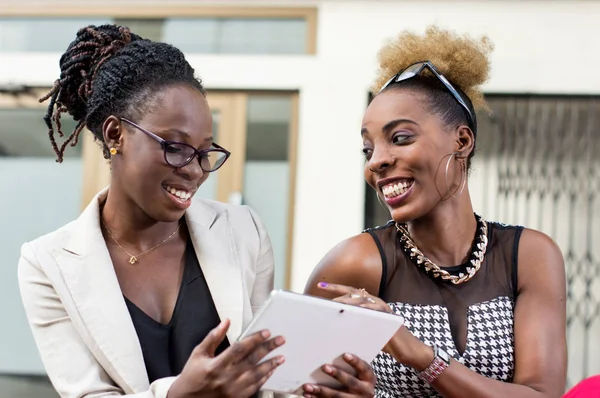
(197, 152)
(416, 69)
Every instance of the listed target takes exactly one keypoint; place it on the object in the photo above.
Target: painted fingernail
(265, 334)
(279, 340)
(328, 369)
(323, 284)
(309, 388)
(280, 359)
(348, 357)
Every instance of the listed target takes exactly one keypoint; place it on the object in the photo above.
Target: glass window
(194, 35)
(41, 34)
(268, 128)
(237, 35)
(37, 196)
(24, 133)
(151, 29)
(267, 170)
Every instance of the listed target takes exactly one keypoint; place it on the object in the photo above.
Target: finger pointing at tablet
(353, 296)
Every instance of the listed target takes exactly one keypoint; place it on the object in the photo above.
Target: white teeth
(183, 195)
(395, 189)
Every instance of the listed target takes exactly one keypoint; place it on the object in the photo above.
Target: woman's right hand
(234, 373)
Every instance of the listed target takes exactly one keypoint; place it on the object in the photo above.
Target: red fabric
(588, 388)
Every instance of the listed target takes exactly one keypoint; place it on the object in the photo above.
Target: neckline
(182, 283)
(456, 270)
(460, 267)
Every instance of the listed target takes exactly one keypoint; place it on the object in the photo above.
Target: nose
(381, 159)
(192, 170)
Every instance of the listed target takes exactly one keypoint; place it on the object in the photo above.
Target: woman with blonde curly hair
(483, 302)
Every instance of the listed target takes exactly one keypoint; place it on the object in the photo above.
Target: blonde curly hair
(463, 60)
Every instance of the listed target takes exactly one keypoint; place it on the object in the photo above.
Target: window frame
(57, 9)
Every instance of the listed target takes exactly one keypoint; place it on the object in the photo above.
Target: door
(229, 131)
(259, 129)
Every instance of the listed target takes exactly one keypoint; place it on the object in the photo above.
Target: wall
(539, 47)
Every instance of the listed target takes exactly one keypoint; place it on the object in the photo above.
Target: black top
(472, 321)
(166, 348)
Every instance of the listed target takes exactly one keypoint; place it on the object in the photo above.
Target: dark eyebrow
(184, 134)
(390, 125)
(174, 131)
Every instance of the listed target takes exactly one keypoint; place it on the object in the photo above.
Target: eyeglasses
(415, 69)
(179, 154)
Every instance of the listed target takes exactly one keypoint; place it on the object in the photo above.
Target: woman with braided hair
(147, 291)
(147, 276)
(483, 302)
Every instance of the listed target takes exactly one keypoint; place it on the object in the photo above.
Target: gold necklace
(134, 259)
(476, 258)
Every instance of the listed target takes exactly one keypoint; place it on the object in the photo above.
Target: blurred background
(288, 83)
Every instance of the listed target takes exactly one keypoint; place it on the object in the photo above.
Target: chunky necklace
(475, 259)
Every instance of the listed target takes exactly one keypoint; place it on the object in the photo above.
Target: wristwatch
(441, 360)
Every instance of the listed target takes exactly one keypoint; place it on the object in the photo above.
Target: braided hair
(107, 70)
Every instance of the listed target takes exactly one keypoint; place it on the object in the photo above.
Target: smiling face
(163, 192)
(407, 148)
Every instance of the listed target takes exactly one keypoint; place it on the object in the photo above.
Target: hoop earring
(463, 177)
(113, 151)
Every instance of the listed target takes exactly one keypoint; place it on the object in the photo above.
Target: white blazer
(78, 315)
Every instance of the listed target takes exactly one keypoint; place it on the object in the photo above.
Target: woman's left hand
(361, 385)
(353, 296)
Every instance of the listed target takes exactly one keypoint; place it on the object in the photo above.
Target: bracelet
(441, 360)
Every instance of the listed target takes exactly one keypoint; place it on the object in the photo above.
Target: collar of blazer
(90, 278)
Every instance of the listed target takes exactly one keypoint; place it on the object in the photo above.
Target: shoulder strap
(515, 261)
(384, 265)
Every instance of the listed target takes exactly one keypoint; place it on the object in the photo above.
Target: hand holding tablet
(362, 384)
(234, 372)
(318, 332)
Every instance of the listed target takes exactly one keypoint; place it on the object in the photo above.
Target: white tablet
(319, 332)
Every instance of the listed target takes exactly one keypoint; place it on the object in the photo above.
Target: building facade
(288, 83)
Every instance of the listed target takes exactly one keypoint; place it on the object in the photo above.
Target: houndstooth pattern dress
(473, 321)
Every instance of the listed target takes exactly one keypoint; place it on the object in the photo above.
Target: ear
(465, 141)
(112, 132)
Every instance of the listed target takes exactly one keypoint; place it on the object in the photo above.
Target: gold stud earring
(113, 151)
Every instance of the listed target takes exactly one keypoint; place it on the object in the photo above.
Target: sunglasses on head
(416, 68)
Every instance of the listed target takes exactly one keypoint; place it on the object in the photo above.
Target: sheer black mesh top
(472, 321)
